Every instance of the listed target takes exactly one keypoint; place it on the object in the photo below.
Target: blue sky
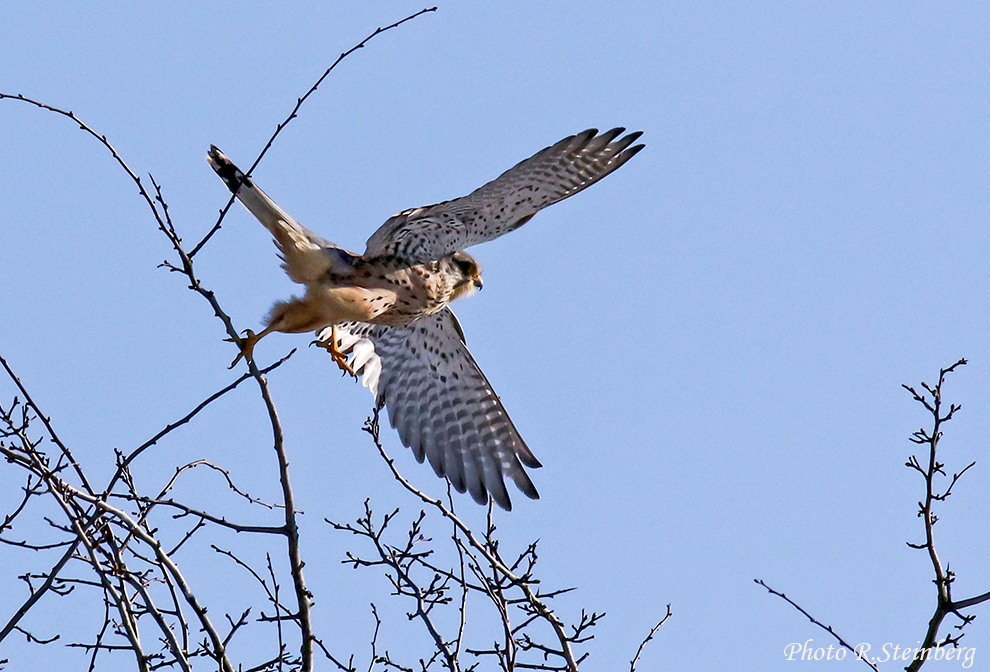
(705, 350)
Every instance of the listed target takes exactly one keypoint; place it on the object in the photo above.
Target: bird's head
(467, 274)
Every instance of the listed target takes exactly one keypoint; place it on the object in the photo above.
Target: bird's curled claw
(246, 344)
(338, 357)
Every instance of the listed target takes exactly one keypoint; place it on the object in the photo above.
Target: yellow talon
(338, 357)
(246, 344)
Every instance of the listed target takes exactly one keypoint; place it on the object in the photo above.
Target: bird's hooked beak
(467, 286)
(467, 272)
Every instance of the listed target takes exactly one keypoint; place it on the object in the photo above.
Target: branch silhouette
(94, 522)
(127, 536)
(930, 469)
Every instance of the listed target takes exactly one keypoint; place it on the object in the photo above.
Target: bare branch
(186, 418)
(826, 628)
(653, 631)
(295, 112)
(36, 594)
(141, 583)
(46, 421)
(930, 469)
(487, 550)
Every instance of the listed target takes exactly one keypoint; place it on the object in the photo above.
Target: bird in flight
(384, 315)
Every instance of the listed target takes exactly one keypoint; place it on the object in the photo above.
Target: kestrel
(384, 314)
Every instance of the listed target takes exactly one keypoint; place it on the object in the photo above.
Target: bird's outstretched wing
(305, 255)
(506, 203)
(441, 403)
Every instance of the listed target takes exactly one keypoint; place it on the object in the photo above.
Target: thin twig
(656, 628)
(185, 419)
(826, 628)
(303, 595)
(45, 420)
(294, 113)
(944, 577)
(372, 427)
(40, 591)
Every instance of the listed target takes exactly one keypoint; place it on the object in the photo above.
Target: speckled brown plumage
(387, 310)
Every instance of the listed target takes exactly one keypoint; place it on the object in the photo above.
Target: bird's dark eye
(467, 266)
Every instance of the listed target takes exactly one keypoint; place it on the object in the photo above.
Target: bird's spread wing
(506, 203)
(305, 255)
(441, 403)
